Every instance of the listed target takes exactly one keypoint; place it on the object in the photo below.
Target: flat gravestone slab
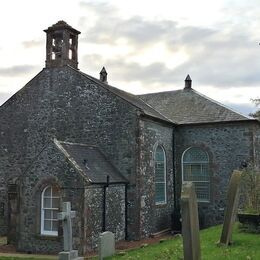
(190, 222)
(106, 244)
(231, 208)
(70, 255)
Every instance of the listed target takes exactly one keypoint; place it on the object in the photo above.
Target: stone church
(120, 159)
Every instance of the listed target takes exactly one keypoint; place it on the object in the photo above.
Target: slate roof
(91, 163)
(187, 106)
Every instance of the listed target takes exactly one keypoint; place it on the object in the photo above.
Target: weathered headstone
(65, 216)
(231, 208)
(190, 222)
(106, 244)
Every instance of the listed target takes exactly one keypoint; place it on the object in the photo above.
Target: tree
(257, 113)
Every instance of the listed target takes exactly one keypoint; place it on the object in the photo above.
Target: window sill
(161, 205)
(203, 202)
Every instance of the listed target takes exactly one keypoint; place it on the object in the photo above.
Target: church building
(119, 158)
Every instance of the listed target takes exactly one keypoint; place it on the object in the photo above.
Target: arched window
(160, 176)
(195, 168)
(50, 201)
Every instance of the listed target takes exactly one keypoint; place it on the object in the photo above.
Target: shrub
(250, 190)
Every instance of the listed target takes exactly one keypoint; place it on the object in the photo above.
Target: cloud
(217, 57)
(33, 43)
(133, 71)
(4, 96)
(245, 109)
(18, 70)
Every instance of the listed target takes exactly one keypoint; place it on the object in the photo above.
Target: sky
(146, 46)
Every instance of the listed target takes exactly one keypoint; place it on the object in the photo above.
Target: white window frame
(196, 163)
(164, 175)
(47, 232)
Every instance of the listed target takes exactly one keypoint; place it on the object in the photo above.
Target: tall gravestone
(231, 208)
(190, 222)
(65, 216)
(106, 245)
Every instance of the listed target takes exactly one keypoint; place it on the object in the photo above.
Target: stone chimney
(103, 75)
(61, 45)
(188, 82)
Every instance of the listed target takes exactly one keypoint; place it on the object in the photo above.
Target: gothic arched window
(50, 201)
(195, 168)
(160, 176)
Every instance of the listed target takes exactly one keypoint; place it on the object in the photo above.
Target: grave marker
(65, 216)
(106, 245)
(190, 222)
(231, 208)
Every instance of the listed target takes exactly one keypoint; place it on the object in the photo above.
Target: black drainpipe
(176, 224)
(104, 204)
(126, 205)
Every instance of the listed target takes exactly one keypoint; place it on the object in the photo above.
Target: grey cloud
(136, 29)
(245, 109)
(219, 58)
(4, 96)
(17, 70)
(224, 63)
(110, 26)
(102, 9)
(132, 71)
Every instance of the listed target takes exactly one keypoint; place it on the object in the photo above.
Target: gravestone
(106, 244)
(190, 222)
(65, 216)
(231, 208)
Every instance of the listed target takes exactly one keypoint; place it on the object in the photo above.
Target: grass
(20, 257)
(245, 246)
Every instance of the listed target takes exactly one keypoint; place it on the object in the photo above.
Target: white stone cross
(65, 216)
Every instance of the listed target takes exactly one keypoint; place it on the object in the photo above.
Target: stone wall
(227, 144)
(62, 103)
(115, 213)
(50, 168)
(154, 218)
(256, 141)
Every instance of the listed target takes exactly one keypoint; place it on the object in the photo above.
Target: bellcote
(61, 45)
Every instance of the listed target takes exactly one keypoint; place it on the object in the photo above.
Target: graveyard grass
(245, 246)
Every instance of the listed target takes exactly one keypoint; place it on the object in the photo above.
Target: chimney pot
(188, 82)
(103, 75)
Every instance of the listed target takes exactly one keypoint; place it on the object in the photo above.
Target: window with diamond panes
(160, 176)
(195, 168)
(49, 209)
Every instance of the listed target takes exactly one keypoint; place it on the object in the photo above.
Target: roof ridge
(80, 144)
(161, 92)
(174, 104)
